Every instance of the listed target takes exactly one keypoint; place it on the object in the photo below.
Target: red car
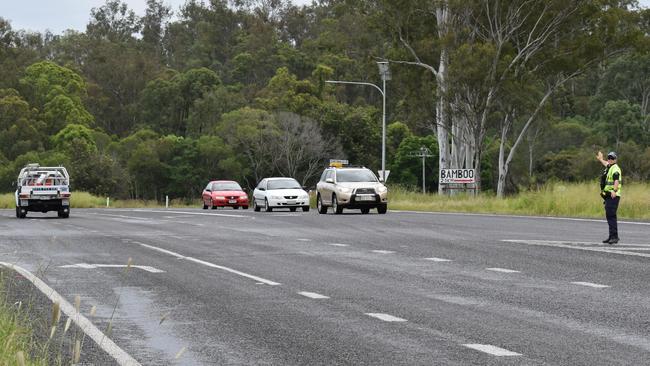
(224, 193)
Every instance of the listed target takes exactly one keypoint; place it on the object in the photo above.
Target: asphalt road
(234, 287)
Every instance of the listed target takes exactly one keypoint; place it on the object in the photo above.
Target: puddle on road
(138, 308)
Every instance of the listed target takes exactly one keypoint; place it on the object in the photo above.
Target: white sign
(387, 172)
(457, 176)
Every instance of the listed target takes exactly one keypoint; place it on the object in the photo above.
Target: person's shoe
(613, 241)
(606, 241)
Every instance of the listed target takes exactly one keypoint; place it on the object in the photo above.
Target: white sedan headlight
(276, 197)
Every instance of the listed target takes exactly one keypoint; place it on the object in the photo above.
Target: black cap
(611, 155)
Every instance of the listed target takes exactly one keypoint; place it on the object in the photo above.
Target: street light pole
(423, 153)
(384, 72)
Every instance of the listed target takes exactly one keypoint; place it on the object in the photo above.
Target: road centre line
(386, 317)
(105, 343)
(313, 295)
(383, 251)
(517, 216)
(502, 270)
(93, 266)
(302, 239)
(194, 213)
(435, 259)
(339, 245)
(561, 244)
(208, 264)
(492, 350)
(590, 284)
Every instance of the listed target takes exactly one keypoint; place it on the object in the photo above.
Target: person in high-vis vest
(610, 190)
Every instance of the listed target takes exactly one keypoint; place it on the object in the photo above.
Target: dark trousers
(611, 206)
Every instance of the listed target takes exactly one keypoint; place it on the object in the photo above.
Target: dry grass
(559, 199)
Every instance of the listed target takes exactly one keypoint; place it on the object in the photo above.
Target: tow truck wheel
(17, 212)
(64, 214)
(21, 213)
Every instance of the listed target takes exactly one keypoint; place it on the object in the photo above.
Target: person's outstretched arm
(600, 158)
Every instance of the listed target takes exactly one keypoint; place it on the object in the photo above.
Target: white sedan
(280, 193)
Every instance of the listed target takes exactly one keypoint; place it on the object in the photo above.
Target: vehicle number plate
(291, 202)
(365, 197)
(232, 201)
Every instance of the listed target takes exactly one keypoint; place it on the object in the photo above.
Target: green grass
(557, 199)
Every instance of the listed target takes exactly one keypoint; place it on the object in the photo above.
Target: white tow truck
(43, 189)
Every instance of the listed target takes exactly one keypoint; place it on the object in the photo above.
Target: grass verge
(16, 335)
(556, 199)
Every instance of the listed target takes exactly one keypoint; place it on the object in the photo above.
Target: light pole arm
(355, 83)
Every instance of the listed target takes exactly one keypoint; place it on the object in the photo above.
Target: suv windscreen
(227, 186)
(360, 175)
(283, 184)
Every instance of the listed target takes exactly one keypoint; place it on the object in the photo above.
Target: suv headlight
(346, 190)
(382, 189)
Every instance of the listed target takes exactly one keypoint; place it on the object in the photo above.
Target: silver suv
(356, 188)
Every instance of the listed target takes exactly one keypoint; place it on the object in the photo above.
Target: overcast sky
(59, 15)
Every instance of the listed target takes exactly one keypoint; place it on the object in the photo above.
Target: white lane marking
(313, 295)
(304, 239)
(208, 264)
(503, 270)
(435, 259)
(386, 317)
(339, 245)
(194, 213)
(590, 284)
(492, 350)
(93, 266)
(383, 251)
(517, 216)
(105, 343)
(628, 248)
(564, 244)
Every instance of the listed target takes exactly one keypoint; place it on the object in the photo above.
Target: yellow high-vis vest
(609, 183)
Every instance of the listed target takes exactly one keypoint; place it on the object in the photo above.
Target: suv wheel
(365, 211)
(322, 209)
(335, 206)
(382, 209)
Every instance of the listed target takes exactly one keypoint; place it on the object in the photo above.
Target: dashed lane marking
(492, 350)
(93, 266)
(195, 213)
(339, 245)
(386, 317)
(590, 284)
(502, 270)
(208, 264)
(383, 251)
(105, 343)
(589, 246)
(302, 239)
(435, 259)
(313, 295)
